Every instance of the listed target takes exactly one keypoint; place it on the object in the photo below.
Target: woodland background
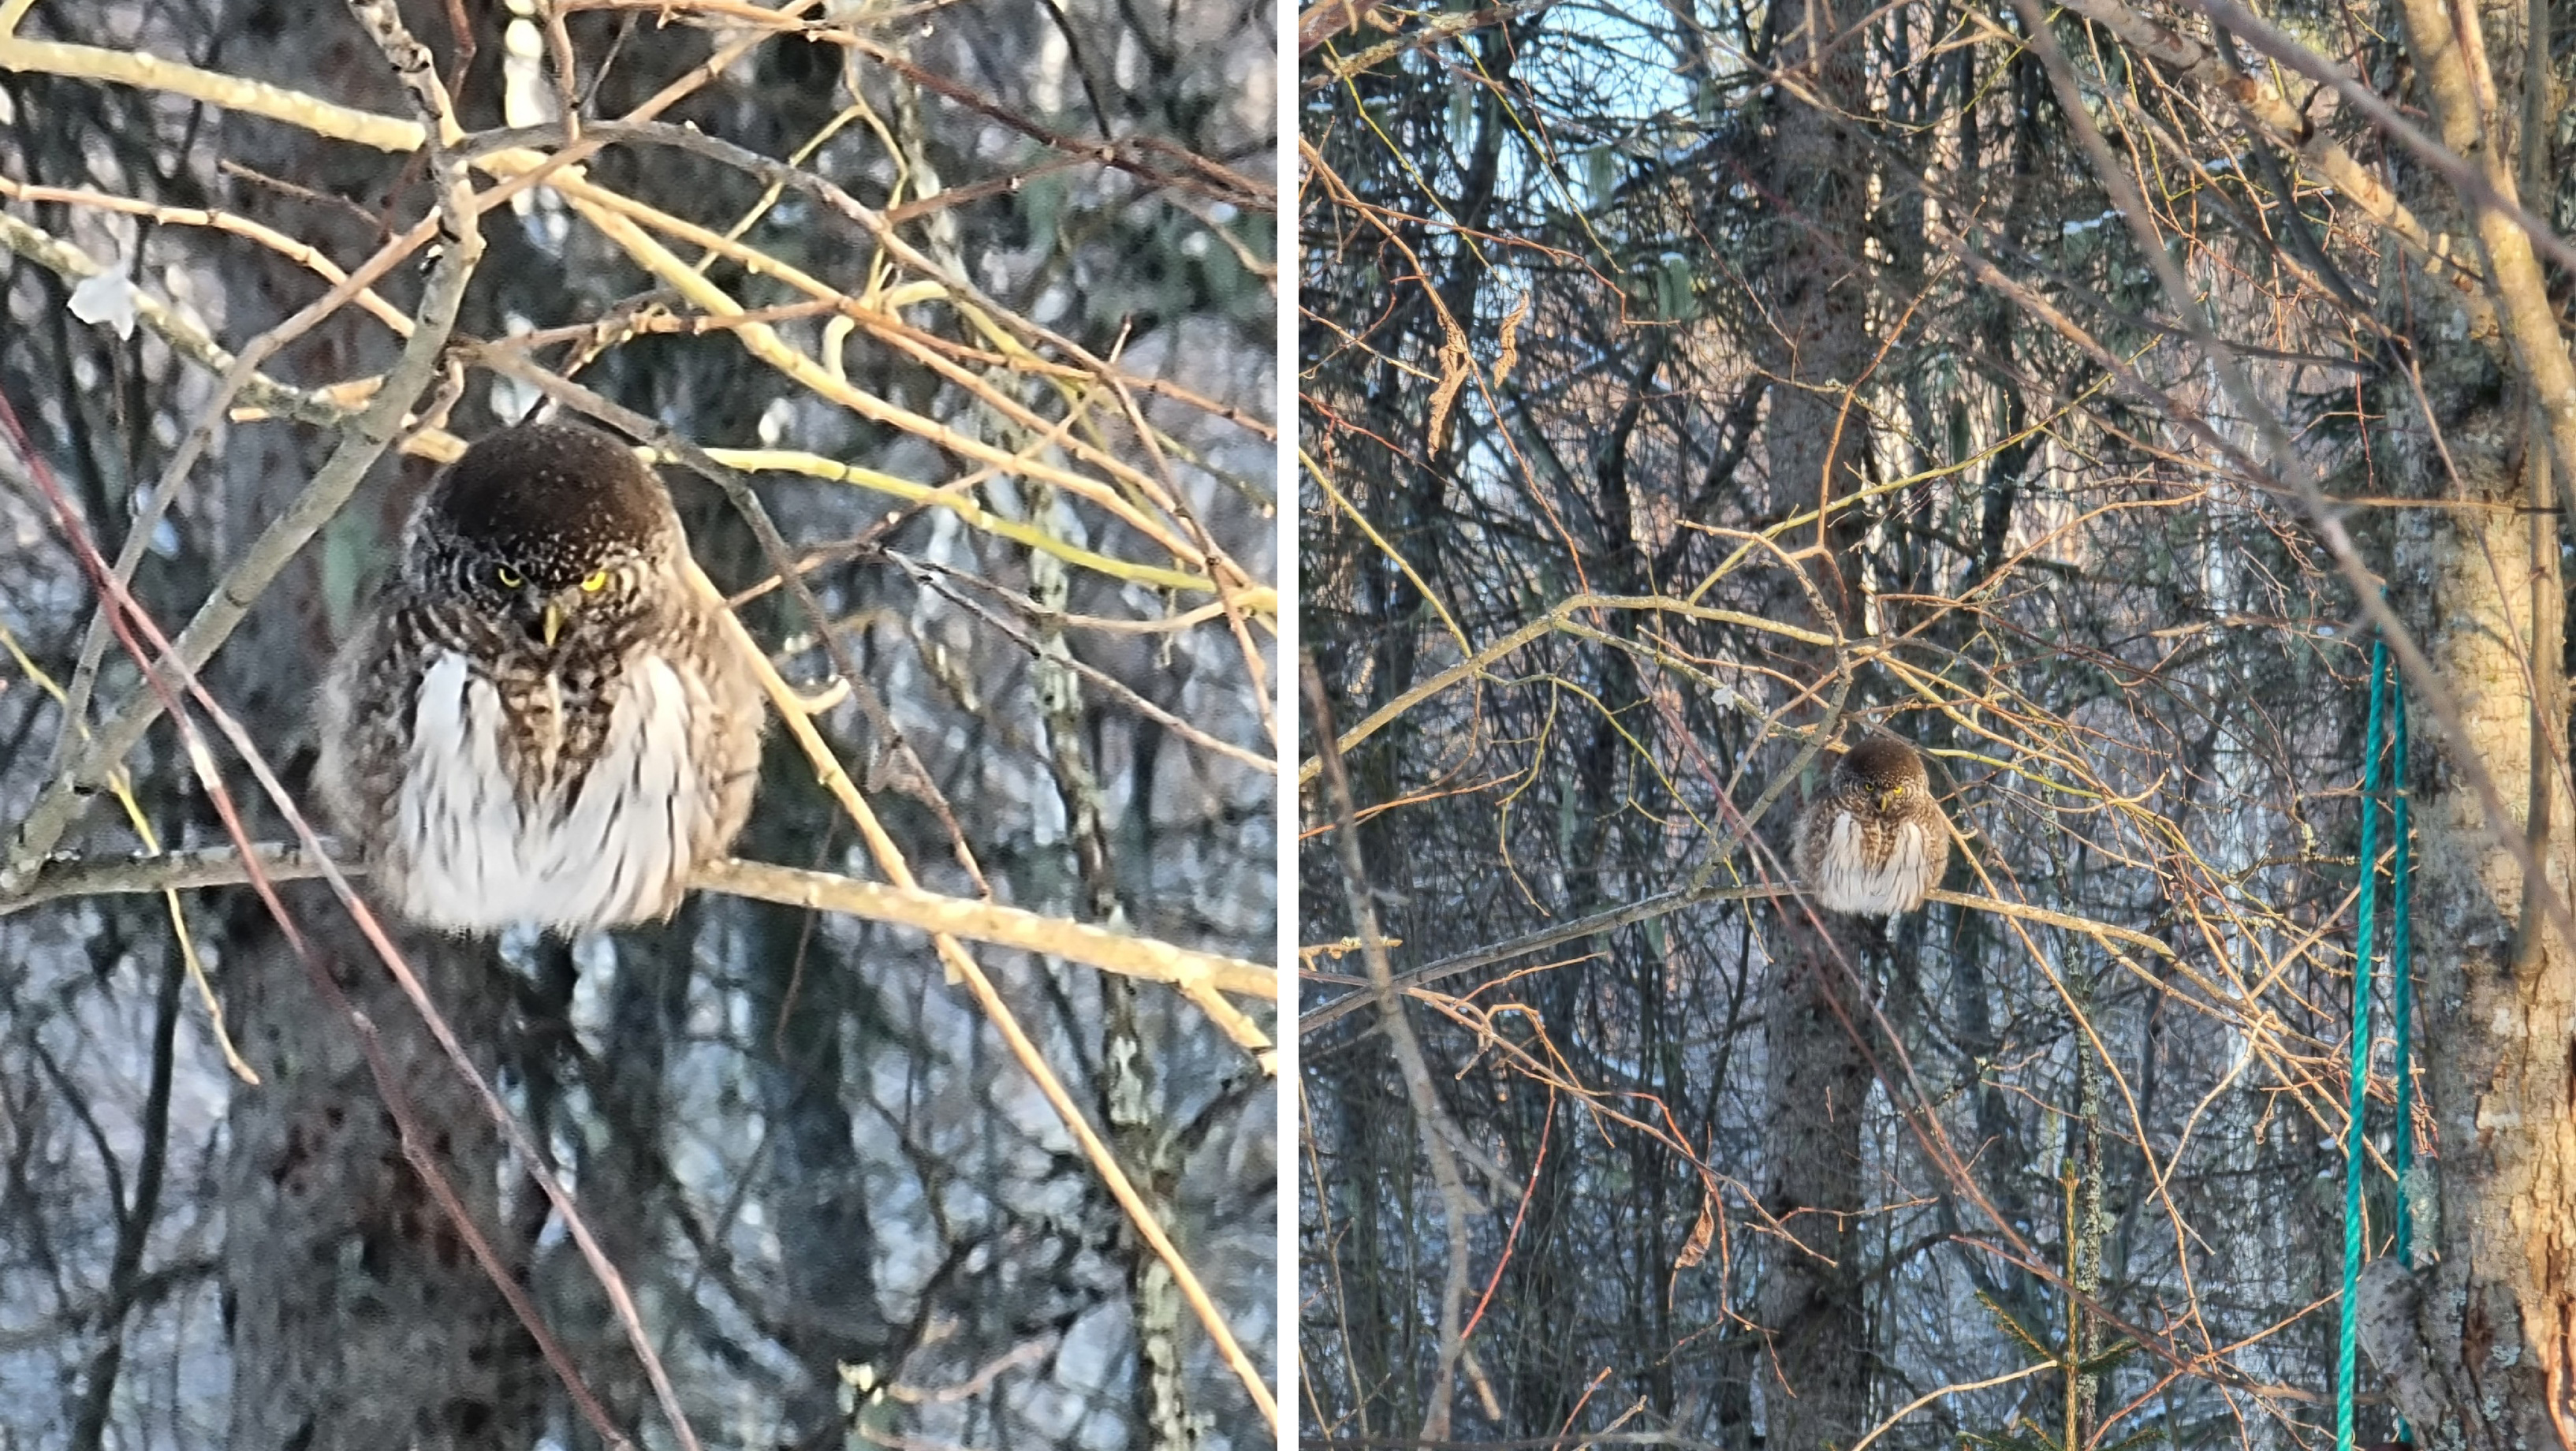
(980, 299)
(2060, 388)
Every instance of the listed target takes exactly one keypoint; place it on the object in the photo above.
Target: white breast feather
(1842, 857)
(473, 859)
(1845, 883)
(1905, 864)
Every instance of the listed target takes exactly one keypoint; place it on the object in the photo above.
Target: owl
(1874, 842)
(538, 720)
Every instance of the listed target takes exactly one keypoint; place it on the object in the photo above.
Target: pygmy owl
(538, 720)
(1874, 842)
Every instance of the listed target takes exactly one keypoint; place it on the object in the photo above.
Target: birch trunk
(2476, 1344)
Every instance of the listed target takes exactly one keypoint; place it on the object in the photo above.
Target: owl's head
(553, 527)
(1886, 768)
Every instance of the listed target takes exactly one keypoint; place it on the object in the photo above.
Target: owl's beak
(540, 615)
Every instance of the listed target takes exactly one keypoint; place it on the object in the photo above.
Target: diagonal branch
(1436, 1130)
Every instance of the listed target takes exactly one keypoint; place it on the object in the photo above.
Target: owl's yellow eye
(510, 578)
(595, 583)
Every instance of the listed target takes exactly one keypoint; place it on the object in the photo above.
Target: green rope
(2401, 1007)
(2356, 1158)
(2401, 1014)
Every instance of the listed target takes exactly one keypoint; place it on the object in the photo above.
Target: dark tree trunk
(1816, 1378)
(357, 1317)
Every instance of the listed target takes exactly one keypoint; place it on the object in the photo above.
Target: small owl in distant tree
(1874, 842)
(539, 721)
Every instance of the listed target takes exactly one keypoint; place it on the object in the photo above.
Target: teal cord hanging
(2401, 1008)
(2387, 700)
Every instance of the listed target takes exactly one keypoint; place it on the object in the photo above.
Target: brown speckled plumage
(538, 720)
(1874, 842)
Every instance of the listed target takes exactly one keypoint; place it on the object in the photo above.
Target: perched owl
(1874, 842)
(538, 721)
